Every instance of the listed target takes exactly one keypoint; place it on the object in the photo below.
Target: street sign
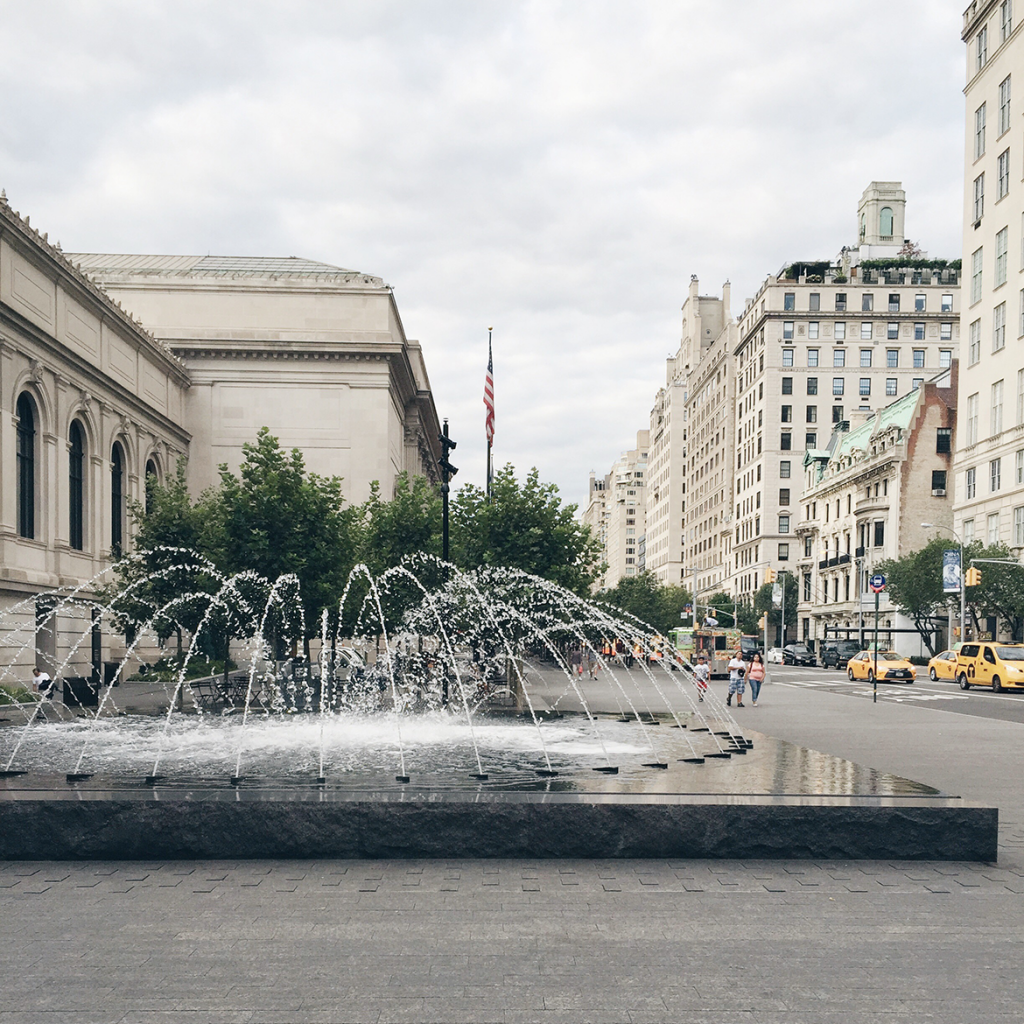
(776, 594)
(877, 583)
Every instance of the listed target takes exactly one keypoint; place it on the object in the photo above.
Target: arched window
(116, 499)
(151, 478)
(26, 466)
(885, 222)
(76, 486)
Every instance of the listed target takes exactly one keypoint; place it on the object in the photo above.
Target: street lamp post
(963, 584)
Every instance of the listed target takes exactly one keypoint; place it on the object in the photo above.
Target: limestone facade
(315, 352)
(989, 461)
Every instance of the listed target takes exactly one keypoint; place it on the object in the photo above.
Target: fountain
(423, 716)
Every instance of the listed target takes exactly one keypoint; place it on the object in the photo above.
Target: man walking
(737, 671)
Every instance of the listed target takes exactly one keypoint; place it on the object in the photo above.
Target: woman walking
(755, 676)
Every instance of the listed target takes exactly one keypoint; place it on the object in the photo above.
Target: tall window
(151, 479)
(838, 357)
(812, 353)
(972, 419)
(999, 327)
(979, 132)
(789, 301)
(867, 302)
(76, 486)
(1002, 247)
(947, 304)
(890, 387)
(892, 357)
(865, 386)
(1018, 527)
(837, 385)
(995, 473)
(1003, 184)
(1005, 20)
(1004, 105)
(970, 484)
(1020, 397)
(893, 331)
(974, 343)
(865, 356)
(996, 413)
(865, 330)
(26, 466)
(920, 303)
(976, 258)
(945, 358)
(981, 48)
(840, 330)
(979, 197)
(992, 526)
(885, 222)
(116, 498)
(894, 302)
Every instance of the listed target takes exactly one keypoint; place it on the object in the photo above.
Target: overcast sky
(556, 169)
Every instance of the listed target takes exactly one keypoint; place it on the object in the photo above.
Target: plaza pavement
(785, 942)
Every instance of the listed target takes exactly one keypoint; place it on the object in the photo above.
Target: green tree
(407, 524)
(650, 600)
(1001, 591)
(763, 603)
(914, 585)
(523, 526)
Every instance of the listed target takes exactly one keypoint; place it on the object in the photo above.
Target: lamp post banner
(951, 570)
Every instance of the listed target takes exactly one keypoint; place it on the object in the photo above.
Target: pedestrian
(575, 658)
(587, 662)
(701, 675)
(737, 670)
(756, 674)
(41, 682)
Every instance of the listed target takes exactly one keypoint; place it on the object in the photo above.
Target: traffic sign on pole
(877, 583)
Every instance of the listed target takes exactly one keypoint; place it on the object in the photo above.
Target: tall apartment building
(820, 342)
(989, 460)
(672, 469)
(616, 512)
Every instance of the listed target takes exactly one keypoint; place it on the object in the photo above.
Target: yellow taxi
(892, 667)
(942, 666)
(1000, 666)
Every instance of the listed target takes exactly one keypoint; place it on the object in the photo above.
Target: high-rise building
(674, 464)
(617, 513)
(822, 342)
(989, 459)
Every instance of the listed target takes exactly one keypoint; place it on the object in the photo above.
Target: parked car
(892, 667)
(836, 653)
(798, 654)
(774, 656)
(749, 646)
(1000, 666)
(942, 666)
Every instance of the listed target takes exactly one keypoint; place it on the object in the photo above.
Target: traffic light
(973, 576)
(762, 623)
(447, 445)
(770, 575)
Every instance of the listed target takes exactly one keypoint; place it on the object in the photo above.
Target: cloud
(555, 169)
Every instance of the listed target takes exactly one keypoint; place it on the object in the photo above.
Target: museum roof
(210, 266)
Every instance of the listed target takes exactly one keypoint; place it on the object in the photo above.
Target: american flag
(489, 394)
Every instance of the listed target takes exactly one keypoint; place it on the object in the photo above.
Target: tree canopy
(649, 599)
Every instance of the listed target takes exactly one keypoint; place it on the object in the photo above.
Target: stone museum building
(112, 368)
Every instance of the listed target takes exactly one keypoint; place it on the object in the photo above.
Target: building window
(995, 473)
(944, 441)
(867, 302)
(838, 357)
(76, 486)
(999, 327)
(947, 303)
(787, 330)
(938, 479)
(892, 358)
(992, 522)
(979, 132)
(865, 331)
(837, 414)
(786, 441)
(945, 332)
(981, 48)
(968, 531)
(1018, 526)
(979, 197)
(916, 383)
(787, 357)
(116, 499)
(970, 480)
(1002, 246)
(974, 343)
(918, 358)
(811, 440)
(812, 385)
(152, 478)
(812, 353)
(787, 385)
(783, 552)
(885, 222)
(814, 302)
(918, 332)
(996, 421)
(789, 301)
(840, 329)
(892, 332)
(812, 330)
(26, 467)
(1020, 397)
(972, 419)
(879, 534)
(784, 469)
(1004, 105)
(890, 386)
(894, 303)
(783, 495)
(807, 582)
(838, 385)
(840, 302)
(865, 386)
(787, 413)
(1003, 181)
(1005, 20)
(920, 303)
(783, 524)
(865, 357)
